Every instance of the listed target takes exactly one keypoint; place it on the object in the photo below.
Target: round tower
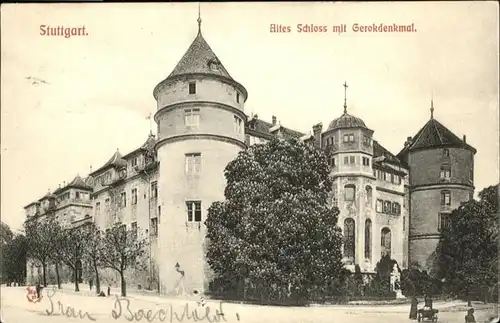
(441, 178)
(350, 143)
(200, 122)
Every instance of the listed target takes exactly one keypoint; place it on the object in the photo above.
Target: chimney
(274, 120)
(64, 183)
(408, 141)
(317, 128)
(90, 168)
(465, 139)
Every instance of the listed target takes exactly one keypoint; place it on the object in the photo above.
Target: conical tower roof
(200, 59)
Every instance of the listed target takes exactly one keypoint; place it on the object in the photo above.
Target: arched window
(368, 239)
(369, 195)
(350, 192)
(385, 242)
(349, 238)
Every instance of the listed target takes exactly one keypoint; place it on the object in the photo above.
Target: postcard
(250, 162)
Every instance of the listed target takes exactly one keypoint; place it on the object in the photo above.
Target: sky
(99, 86)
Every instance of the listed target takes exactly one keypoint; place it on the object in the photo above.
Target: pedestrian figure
(469, 318)
(38, 289)
(413, 308)
(428, 302)
(109, 289)
(91, 284)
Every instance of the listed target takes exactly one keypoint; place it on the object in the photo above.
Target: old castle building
(389, 205)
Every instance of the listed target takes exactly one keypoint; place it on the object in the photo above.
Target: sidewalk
(154, 297)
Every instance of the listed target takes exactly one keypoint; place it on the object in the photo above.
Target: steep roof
(200, 58)
(380, 151)
(261, 128)
(78, 182)
(434, 135)
(115, 161)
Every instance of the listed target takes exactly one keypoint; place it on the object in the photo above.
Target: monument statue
(396, 282)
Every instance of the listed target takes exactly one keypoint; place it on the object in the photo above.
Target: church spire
(345, 97)
(432, 108)
(199, 19)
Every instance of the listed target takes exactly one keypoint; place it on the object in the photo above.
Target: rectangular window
(193, 211)
(123, 199)
(106, 205)
(445, 172)
(77, 195)
(192, 117)
(134, 228)
(446, 153)
(346, 160)
(445, 198)
(348, 138)
(154, 227)
(366, 141)
(352, 160)
(237, 97)
(134, 162)
(387, 207)
(154, 190)
(366, 161)
(333, 162)
(193, 163)
(404, 223)
(351, 138)
(192, 88)
(349, 193)
(379, 206)
(134, 196)
(98, 208)
(444, 221)
(237, 124)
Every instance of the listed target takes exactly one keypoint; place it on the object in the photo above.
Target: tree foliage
(14, 259)
(71, 246)
(275, 224)
(122, 249)
(467, 254)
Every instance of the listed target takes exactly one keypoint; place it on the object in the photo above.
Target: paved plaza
(16, 308)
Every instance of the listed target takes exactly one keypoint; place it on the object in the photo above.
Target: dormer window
(134, 162)
(446, 152)
(192, 88)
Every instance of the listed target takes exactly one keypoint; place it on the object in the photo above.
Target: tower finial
(199, 18)
(432, 108)
(345, 97)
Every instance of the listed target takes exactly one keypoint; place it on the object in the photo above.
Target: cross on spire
(199, 18)
(345, 97)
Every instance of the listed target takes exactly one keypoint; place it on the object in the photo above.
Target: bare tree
(72, 248)
(123, 249)
(93, 252)
(39, 237)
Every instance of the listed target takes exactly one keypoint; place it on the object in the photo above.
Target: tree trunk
(123, 284)
(58, 278)
(97, 282)
(75, 274)
(44, 269)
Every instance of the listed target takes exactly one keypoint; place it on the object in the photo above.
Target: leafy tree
(40, 233)
(57, 239)
(92, 253)
(14, 263)
(358, 280)
(275, 224)
(467, 254)
(123, 249)
(381, 283)
(6, 236)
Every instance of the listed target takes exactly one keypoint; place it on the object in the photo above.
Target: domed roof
(346, 121)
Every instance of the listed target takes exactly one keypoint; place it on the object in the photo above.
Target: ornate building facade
(389, 205)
